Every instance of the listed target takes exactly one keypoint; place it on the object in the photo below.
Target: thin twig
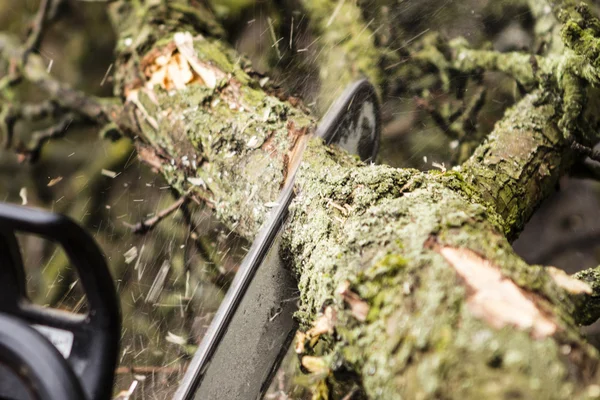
(436, 116)
(585, 150)
(75, 105)
(34, 39)
(29, 112)
(99, 111)
(585, 169)
(40, 138)
(146, 370)
(38, 111)
(149, 224)
(35, 35)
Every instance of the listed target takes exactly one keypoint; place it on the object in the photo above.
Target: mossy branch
(63, 100)
(423, 293)
(428, 296)
(521, 160)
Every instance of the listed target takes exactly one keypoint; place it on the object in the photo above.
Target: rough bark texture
(427, 296)
(423, 335)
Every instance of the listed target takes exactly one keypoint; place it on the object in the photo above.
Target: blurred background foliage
(172, 278)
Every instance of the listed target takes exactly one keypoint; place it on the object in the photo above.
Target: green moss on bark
(520, 162)
(588, 311)
(370, 227)
(235, 137)
(420, 340)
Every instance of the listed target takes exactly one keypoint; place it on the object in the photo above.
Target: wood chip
(567, 282)
(495, 298)
(324, 324)
(130, 255)
(209, 74)
(23, 195)
(55, 181)
(441, 166)
(315, 365)
(175, 339)
(299, 342)
(159, 283)
(110, 174)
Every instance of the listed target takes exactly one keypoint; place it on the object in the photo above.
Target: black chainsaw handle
(39, 367)
(95, 335)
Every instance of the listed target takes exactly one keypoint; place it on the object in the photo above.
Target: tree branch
(149, 224)
(520, 162)
(418, 270)
(57, 130)
(63, 101)
(34, 39)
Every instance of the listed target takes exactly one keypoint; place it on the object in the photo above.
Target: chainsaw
(49, 354)
(45, 353)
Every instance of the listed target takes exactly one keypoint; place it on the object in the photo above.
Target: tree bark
(413, 270)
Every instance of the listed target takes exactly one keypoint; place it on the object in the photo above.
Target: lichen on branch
(393, 254)
(209, 126)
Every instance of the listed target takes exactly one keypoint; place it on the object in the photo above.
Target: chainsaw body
(47, 353)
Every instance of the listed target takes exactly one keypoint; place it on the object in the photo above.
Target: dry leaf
(359, 307)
